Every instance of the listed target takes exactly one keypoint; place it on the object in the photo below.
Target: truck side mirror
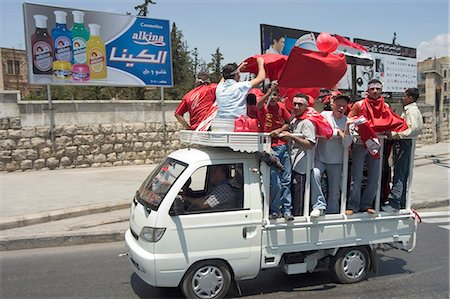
(177, 207)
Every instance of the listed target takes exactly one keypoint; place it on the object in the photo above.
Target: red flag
(380, 117)
(273, 64)
(305, 68)
(257, 92)
(289, 93)
(349, 47)
(323, 127)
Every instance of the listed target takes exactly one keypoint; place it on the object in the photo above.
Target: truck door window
(214, 188)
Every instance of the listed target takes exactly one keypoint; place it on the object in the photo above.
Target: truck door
(220, 221)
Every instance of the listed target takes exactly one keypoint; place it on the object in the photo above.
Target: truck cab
(202, 248)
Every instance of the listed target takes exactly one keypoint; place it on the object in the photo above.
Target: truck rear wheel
(350, 264)
(206, 279)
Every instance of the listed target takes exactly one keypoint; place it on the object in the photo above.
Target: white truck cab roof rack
(238, 141)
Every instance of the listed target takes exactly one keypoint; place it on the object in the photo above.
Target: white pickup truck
(170, 243)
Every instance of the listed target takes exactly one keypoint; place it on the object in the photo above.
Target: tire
(350, 264)
(206, 279)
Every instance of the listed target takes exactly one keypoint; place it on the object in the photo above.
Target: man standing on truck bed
(402, 150)
(298, 147)
(274, 119)
(329, 154)
(231, 94)
(197, 102)
(381, 119)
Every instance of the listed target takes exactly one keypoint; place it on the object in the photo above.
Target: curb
(19, 221)
(60, 239)
(431, 204)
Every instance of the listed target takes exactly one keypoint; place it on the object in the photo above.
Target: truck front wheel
(206, 280)
(350, 265)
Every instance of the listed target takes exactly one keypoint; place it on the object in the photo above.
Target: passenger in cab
(329, 155)
(402, 150)
(221, 196)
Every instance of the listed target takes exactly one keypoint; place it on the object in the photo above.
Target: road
(96, 271)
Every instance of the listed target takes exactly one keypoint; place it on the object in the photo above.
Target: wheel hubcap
(354, 264)
(207, 282)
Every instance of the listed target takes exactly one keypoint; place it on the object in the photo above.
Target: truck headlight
(152, 234)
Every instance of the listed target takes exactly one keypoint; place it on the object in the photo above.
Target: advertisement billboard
(68, 46)
(293, 37)
(395, 66)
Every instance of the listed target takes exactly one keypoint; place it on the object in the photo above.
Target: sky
(233, 25)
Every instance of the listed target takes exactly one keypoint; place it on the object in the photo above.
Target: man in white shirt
(402, 150)
(329, 155)
(277, 45)
(231, 94)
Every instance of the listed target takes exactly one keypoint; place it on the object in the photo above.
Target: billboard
(292, 37)
(395, 66)
(68, 46)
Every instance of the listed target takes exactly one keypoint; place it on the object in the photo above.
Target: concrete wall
(36, 113)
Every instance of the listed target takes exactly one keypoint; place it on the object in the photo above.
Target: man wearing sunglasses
(303, 140)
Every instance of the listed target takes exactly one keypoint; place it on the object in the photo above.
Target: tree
(143, 8)
(182, 65)
(215, 66)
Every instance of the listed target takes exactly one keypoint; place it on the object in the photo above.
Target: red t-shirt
(273, 117)
(197, 102)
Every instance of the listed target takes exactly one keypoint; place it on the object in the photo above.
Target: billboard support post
(51, 113)
(163, 117)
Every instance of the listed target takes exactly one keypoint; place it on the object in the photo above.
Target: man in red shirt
(274, 118)
(197, 102)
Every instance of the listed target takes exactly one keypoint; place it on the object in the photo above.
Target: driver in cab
(220, 196)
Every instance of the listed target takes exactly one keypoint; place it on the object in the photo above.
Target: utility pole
(195, 53)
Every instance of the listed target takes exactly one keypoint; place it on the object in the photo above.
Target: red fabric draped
(323, 128)
(257, 92)
(305, 68)
(380, 117)
(288, 93)
(273, 64)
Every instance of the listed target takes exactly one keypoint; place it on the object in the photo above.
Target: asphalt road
(96, 271)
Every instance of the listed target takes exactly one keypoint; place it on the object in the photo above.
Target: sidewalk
(91, 205)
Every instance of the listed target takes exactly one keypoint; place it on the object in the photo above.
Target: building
(14, 72)
(433, 81)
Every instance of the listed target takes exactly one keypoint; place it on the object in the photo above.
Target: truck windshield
(159, 182)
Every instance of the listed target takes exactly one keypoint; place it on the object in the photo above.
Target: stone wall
(91, 145)
(104, 133)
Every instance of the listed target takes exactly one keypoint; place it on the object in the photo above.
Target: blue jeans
(280, 181)
(334, 175)
(357, 201)
(402, 156)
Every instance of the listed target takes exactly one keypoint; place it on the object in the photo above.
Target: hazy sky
(233, 25)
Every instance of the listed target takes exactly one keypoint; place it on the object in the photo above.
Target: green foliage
(182, 66)
(215, 66)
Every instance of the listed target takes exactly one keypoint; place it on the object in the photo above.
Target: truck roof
(193, 155)
(250, 142)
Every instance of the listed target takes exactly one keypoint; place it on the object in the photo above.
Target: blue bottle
(62, 38)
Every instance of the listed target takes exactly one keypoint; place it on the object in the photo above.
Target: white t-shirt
(231, 98)
(332, 151)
